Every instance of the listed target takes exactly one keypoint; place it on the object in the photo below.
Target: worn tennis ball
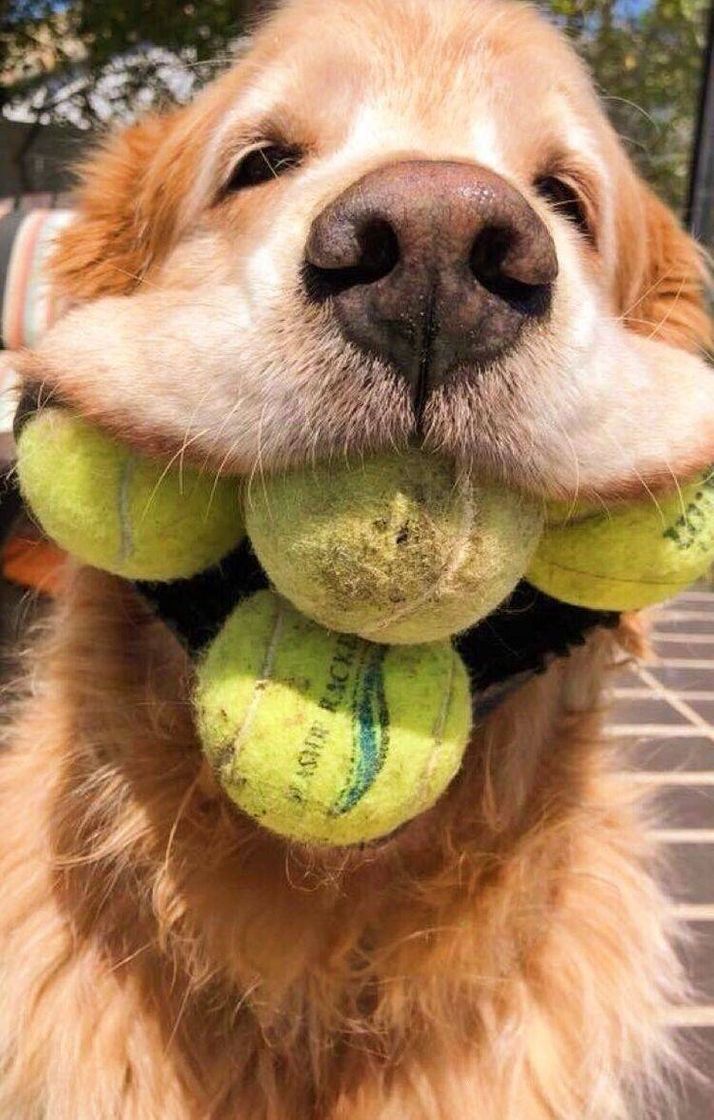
(632, 555)
(400, 548)
(120, 511)
(323, 737)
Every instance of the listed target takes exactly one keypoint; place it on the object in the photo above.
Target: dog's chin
(378, 410)
(361, 405)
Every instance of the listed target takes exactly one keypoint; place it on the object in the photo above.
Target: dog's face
(392, 221)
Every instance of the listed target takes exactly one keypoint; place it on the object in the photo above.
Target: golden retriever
(391, 220)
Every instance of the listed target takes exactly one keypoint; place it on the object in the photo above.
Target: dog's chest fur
(168, 959)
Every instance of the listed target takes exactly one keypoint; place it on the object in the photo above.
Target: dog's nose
(432, 266)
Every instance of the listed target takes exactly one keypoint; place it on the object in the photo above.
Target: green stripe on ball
(323, 737)
(120, 511)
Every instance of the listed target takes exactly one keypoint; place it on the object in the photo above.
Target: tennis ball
(119, 511)
(323, 737)
(397, 549)
(634, 555)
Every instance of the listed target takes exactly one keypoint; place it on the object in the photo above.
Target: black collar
(503, 651)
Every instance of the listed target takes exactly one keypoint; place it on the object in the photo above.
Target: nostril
(375, 253)
(380, 249)
(488, 252)
(502, 264)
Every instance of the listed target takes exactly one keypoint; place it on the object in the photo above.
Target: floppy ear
(660, 387)
(649, 414)
(662, 277)
(127, 207)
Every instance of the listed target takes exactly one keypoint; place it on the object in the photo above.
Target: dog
(391, 221)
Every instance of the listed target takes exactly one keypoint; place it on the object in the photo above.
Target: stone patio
(664, 712)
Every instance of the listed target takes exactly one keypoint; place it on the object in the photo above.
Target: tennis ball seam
(438, 732)
(459, 548)
(126, 537)
(91, 494)
(603, 578)
(259, 684)
(408, 549)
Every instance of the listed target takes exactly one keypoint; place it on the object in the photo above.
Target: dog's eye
(566, 201)
(263, 164)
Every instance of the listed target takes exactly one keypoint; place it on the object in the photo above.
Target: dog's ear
(652, 417)
(662, 277)
(127, 203)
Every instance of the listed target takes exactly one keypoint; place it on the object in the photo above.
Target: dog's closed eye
(262, 164)
(567, 201)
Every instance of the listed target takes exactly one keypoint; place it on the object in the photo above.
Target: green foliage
(63, 57)
(647, 57)
(201, 29)
(91, 61)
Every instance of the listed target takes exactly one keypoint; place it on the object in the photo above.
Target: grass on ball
(397, 549)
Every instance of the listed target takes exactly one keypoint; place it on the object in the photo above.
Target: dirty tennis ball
(397, 549)
(120, 511)
(326, 738)
(631, 554)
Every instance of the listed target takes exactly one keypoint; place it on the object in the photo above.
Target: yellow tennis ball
(398, 548)
(120, 511)
(323, 737)
(630, 556)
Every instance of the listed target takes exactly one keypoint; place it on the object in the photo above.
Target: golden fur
(507, 956)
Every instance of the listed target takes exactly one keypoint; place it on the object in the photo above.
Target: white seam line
(126, 543)
(701, 622)
(633, 694)
(682, 835)
(676, 702)
(265, 674)
(695, 1016)
(692, 911)
(695, 596)
(671, 777)
(685, 607)
(682, 638)
(681, 605)
(684, 663)
(648, 694)
(653, 731)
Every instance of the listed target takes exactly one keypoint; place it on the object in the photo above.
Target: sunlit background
(84, 65)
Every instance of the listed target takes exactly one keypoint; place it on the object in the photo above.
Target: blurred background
(69, 68)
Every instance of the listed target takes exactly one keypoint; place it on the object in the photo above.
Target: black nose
(432, 266)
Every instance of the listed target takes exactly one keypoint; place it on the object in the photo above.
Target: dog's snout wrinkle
(431, 266)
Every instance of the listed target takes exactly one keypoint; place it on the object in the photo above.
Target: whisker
(670, 310)
(183, 804)
(643, 295)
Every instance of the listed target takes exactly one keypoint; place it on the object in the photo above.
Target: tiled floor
(664, 712)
